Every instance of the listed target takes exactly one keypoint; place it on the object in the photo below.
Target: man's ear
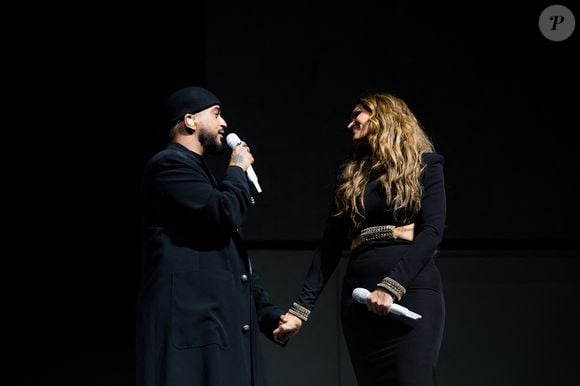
(189, 121)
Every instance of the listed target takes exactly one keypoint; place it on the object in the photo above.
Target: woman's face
(358, 123)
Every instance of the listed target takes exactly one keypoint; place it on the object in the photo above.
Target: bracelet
(299, 311)
(393, 287)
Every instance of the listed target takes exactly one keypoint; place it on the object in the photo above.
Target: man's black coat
(200, 306)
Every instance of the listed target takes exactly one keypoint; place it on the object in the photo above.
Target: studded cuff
(299, 311)
(393, 287)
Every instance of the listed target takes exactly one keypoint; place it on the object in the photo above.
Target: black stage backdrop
(498, 98)
(84, 89)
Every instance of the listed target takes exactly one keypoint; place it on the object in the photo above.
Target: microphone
(361, 295)
(233, 140)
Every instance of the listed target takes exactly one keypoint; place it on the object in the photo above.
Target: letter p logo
(556, 23)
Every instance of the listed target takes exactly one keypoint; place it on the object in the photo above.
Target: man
(200, 306)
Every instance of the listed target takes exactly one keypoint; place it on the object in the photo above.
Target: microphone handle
(254, 178)
(250, 171)
(361, 296)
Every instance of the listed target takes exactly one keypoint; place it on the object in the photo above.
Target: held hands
(241, 156)
(379, 302)
(288, 326)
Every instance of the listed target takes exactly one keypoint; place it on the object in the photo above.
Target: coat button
(245, 328)
(244, 278)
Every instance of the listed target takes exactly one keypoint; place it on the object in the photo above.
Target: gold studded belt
(374, 233)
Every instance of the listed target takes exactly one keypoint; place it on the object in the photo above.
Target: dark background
(84, 88)
(498, 99)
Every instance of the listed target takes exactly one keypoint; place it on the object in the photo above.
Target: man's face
(211, 129)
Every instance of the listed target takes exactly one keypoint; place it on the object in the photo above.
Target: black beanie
(189, 100)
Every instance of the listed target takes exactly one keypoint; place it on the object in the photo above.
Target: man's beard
(211, 144)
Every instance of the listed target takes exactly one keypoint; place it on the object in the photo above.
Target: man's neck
(191, 143)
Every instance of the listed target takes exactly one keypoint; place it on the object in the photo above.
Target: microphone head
(360, 295)
(233, 140)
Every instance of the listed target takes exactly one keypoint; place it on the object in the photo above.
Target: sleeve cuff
(299, 311)
(393, 287)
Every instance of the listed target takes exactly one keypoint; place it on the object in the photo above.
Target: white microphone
(361, 295)
(233, 140)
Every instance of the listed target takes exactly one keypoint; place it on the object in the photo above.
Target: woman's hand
(379, 302)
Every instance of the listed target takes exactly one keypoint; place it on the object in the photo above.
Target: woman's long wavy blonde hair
(396, 142)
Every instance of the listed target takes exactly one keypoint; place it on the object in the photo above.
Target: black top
(429, 225)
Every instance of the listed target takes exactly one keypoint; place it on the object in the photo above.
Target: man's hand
(241, 156)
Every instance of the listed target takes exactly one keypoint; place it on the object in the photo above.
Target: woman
(391, 186)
